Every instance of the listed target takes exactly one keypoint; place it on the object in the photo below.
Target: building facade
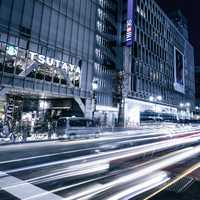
(106, 60)
(47, 57)
(158, 65)
(197, 84)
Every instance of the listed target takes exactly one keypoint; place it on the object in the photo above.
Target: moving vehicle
(77, 127)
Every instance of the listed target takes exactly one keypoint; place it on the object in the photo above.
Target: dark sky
(191, 10)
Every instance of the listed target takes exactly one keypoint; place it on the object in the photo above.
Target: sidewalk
(44, 137)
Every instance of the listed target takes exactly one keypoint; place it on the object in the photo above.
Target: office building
(158, 63)
(197, 84)
(47, 58)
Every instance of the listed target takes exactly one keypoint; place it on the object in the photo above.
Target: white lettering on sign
(51, 61)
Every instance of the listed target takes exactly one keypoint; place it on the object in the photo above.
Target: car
(77, 127)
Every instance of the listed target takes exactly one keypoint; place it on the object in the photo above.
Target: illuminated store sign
(72, 72)
(53, 62)
(130, 29)
(11, 50)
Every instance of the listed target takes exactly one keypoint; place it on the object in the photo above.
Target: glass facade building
(159, 63)
(197, 83)
(106, 63)
(47, 53)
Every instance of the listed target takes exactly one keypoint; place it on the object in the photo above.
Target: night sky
(191, 10)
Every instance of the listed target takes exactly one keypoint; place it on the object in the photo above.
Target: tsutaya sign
(53, 62)
(13, 51)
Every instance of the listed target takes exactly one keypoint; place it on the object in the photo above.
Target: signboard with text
(130, 29)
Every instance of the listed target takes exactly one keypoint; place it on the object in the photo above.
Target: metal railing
(35, 85)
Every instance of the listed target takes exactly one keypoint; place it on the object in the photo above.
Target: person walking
(50, 130)
(25, 131)
(6, 130)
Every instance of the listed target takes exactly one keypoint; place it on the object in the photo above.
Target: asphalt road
(114, 166)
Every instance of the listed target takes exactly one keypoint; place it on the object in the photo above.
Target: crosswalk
(15, 186)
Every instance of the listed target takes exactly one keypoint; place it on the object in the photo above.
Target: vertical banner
(130, 29)
(179, 82)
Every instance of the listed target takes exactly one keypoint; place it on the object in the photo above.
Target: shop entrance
(35, 114)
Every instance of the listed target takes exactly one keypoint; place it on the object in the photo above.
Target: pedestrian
(50, 130)
(6, 130)
(54, 127)
(25, 131)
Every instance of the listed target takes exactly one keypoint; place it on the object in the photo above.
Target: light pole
(94, 88)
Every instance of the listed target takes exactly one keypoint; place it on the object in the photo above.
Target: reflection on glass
(18, 61)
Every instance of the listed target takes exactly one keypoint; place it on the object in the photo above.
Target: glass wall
(59, 29)
(152, 70)
(18, 61)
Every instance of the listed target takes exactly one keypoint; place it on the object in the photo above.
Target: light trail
(117, 154)
(178, 178)
(145, 171)
(152, 181)
(161, 133)
(44, 156)
(72, 169)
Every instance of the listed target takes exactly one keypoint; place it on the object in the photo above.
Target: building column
(88, 108)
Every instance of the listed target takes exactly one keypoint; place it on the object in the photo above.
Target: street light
(188, 104)
(94, 88)
(151, 98)
(181, 105)
(159, 98)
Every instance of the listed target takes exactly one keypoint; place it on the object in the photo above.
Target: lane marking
(44, 156)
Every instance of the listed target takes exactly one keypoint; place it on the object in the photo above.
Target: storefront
(106, 115)
(37, 112)
(35, 87)
(140, 111)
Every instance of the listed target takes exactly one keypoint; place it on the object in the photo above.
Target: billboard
(179, 79)
(130, 27)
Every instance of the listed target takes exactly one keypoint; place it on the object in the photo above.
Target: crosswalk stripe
(23, 190)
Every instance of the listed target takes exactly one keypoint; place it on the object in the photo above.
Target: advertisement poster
(179, 83)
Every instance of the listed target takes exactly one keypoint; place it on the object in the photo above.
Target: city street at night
(99, 100)
(114, 166)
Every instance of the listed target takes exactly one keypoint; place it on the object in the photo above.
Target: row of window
(150, 74)
(47, 25)
(104, 99)
(153, 52)
(39, 48)
(18, 61)
(110, 6)
(145, 89)
(105, 54)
